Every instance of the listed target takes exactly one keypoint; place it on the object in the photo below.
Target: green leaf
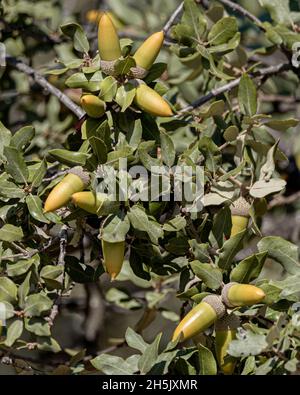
(175, 225)
(22, 266)
(155, 72)
(211, 276)
(149, 356)
(70, 158)
(89, 82)
(247, 96)
(76, 33)
(5, 137)
(11, 233)
(134, 340)
(37, 326)
(223, 31)
(213, 109)
(282, 124)
(34, 205)
(249, 268)
(79, 272)
(39, 174)
(48, 344)
(112, 365)
(37, 304)
(208, 365)
(108, 89)
(23, 290)
(16, 165)
(282, 251)
(229, 250)
(167, 149)
(99, 149)
(264, 188)
(140, 221)
(123, 66)
(11, 190)
(200, 251)
(115, 228)
(222, 225)
(8, 290)
(134, 136)
(14, 331)
(22, 137)
(51, 275)
(247, 343)
(124, 96)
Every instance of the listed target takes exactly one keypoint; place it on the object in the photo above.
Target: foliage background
(97, 314)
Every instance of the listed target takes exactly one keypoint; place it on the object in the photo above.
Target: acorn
(226, 329)
(146, 54)
(238, 295)
(200, 318)
(113, 257)
(88, 201)
(93, 106)
(108, 44)
(75, 181)
(239, 215)
(151, 102)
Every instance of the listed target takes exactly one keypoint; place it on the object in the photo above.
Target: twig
(268, 71)
(24, 68)
(244, 12)
(231, 179)
(63, 237)
(283, 200)
(56, 175)
(173, 18)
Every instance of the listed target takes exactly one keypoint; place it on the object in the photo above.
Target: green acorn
(76, 180)
(150, 101)
(200, 318)
(239, 215)
(93, 106)
(238, 295)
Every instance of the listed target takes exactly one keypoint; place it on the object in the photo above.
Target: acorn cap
(240, 207)
(108, 66)
(216, 303)
(138, 72)
(228, 322)
(83, 175)
(225, 294)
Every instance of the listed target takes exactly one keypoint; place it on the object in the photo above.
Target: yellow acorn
(88, 201)
(146, 54)
(239, 215)
(94, 16)
(200, 318)
(93, 106)
(150, 101)
(75, 181)
(109, 44)
(226, 328)
(113, 257)
(238, 295)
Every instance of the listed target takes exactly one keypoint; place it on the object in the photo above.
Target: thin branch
(284, 200)
(63, 237)
(24, 68)
(242, 11)
(268, 71)
(231, 179)
(173, 18)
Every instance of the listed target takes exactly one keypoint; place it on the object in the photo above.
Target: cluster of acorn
(110, 52)
(71, 188)
(212, 310)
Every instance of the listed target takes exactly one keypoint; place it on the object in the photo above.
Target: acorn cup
(113, 257)
(151, 102)
(200, 318)
(108, 44)
(146, 54)
(93, 106)
(75, 181)
(226, 329)
(239, 295)
(239, 215)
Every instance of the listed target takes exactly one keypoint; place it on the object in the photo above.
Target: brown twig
(265, 72)
(39, 79)
(173, 18)
(242, 11)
